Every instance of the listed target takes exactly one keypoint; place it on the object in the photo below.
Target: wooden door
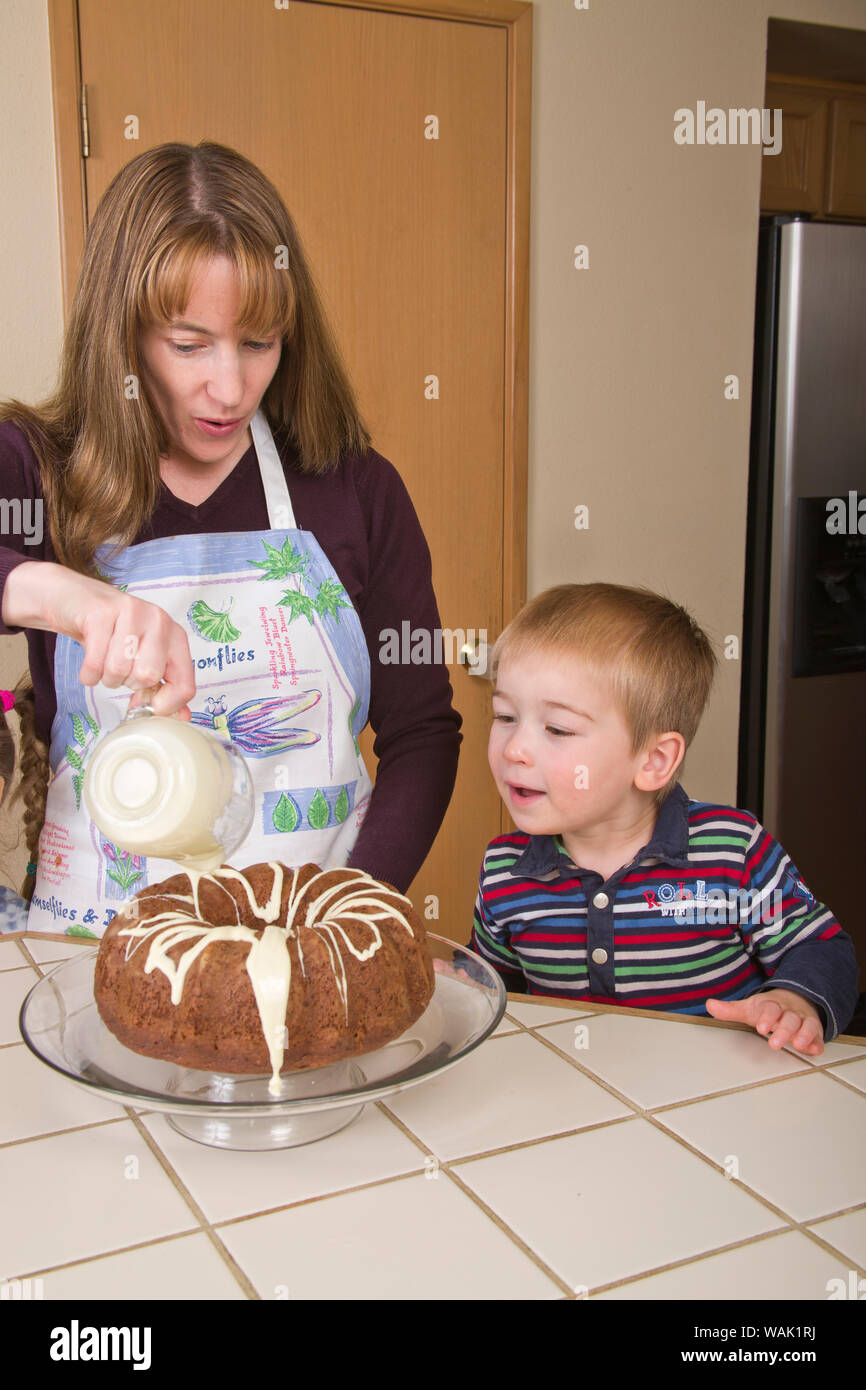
(399, 142)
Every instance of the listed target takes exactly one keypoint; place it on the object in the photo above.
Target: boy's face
(559, 748)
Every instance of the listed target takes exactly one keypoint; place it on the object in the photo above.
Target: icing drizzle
(357, 897)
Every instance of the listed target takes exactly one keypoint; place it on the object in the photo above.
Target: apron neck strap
(280, 514)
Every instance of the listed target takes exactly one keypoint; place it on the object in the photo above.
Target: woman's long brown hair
(98, 438)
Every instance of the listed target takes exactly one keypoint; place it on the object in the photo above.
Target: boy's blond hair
(659, 663)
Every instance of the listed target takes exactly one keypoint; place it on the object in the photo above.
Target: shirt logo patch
(675, 899)
(797, 888)
(716, 907)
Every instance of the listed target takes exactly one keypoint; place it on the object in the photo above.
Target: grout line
(735, 1088)
(793, 1222)
(846, 1211)
(849, 1085)
(10, 969)
(721, 1250)
(503, 1148)
(688, 1260)
(442, 1165)
(824, 1244)
(508, 1231)
(540, 1139)
(584, 1070)
(183, 1191)
(316, 1197)
(108, 1254)
(719, 1168)
(59, 1133)
(28, 955)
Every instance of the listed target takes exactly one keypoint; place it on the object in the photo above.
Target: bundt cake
(269, 969)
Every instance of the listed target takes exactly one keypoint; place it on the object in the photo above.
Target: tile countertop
(580, 1152)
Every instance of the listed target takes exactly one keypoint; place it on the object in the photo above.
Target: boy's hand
(787, 1017)
(444, 967)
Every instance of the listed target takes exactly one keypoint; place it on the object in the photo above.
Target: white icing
(269, 962)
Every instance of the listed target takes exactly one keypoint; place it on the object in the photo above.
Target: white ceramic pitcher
(165, 788)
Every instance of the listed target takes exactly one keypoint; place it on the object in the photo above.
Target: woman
(216, 525)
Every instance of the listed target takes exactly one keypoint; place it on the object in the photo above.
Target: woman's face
(207, 379)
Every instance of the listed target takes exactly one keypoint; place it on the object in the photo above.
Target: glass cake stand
(60, 1023)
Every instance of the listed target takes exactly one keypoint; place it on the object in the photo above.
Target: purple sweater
(363, 518)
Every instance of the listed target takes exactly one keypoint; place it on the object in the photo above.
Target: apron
(281, 667)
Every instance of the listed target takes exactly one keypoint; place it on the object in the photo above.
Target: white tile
(610, 1203)
(227, 1183)
(11, 958)
(532, 1015)
(417, 1238)
(14, 985)
(800, 1142)
(833, 1052)
(788, 1266)
(70, 1198)
(47, 952)
(38, 1100)
(186, 1268)
(854, 1073)
(507, 1091)
(847, 1233)
(656, 1062)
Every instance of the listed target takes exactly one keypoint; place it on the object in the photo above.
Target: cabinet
(821, 168)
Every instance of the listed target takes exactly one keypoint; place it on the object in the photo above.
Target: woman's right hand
(126, 640)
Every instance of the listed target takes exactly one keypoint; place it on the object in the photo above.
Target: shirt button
(600, 900)
(599, 955)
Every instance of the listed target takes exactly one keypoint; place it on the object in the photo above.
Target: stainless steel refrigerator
(802, 749)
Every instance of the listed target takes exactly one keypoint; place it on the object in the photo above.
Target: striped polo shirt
(711, 908)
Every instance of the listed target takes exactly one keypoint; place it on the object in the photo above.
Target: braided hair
(32, 788)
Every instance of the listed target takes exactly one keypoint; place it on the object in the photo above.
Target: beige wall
(30, 292)
(628, 357)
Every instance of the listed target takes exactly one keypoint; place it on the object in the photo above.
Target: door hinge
(85, 127)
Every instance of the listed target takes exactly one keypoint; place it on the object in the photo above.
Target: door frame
(515, 17)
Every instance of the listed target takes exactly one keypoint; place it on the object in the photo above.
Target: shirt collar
(669, 842)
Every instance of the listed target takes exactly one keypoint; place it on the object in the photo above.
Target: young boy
(617, 888)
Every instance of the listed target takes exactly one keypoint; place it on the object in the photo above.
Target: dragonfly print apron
(281, 667)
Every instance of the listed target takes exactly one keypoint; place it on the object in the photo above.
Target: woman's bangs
(267, 301)
(167, 281)
(266, 298)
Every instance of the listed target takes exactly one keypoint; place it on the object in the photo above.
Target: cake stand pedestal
(61, 1025)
